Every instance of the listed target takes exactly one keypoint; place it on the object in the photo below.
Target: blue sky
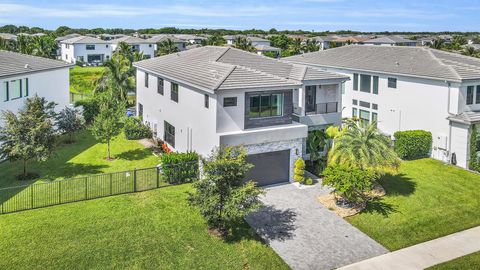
(319, 15)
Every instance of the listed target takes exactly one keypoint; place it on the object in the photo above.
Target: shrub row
(413, 144)
(90, 107)
(179, 167)
(136, 130)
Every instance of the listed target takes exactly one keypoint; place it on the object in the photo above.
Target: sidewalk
(425, 254)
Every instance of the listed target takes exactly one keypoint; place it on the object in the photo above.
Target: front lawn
(82, 79)
(471, 261)
(83, 157)
(148, 230)
(426, 200)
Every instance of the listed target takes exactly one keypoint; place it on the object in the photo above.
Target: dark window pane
(354, 112)
(254, 107)
(355, 81)
(392, 83)
(229, 102)
(355, 102)
(374, 106)
(265, 106)
(375, 85)
(277, 105)
(160, 86)
(364, 104)
(169, 133)
(146, 80)
(365, 83)
(477, 98)
(207, 101)
(174, 92)
(470, 95)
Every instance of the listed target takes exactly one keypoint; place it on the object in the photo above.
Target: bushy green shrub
(179, 167)
(299, 170)
(309, 181)
(91, 108)
(413, 144)
(349, 182)
(136, 130)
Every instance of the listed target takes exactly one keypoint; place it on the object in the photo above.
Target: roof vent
(397, 63)
(27, 66)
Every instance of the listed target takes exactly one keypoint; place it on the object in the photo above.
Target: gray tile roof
(408, 61)
(164, 37)
(84, 40)
(69, 36)
(222, 68)
(130, 40)
(389, 40)
(12, 64)
(470, 117)
(8, 36)
(267, 48)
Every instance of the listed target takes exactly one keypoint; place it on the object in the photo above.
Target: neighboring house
(261, 45)
(391, 41)
(202, 98)
(85, 49)
(352, 40)
(323, 42)
(137, 44)
(8, 36)
(191, 39)
(180, 43)
(111, 36)
(69, 36)
(262, 49)
(23, 76)
(475, 46)
(408, 88)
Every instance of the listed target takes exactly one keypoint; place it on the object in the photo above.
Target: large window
(15, 89)
(160, 86)
(146, 80)
(470, 95)
(355, 81)
(174, 92)
(169, 134)
(375, 85)
(392, 83)
(354, 112)
(364, 117)
(206, 101)
(365, 83)
(90, 47)
(266, 105)
(4, 93)
(477, 98)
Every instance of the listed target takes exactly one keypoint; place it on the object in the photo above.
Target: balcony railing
(323, 108)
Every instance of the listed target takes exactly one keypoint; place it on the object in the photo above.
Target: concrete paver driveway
(306, 234)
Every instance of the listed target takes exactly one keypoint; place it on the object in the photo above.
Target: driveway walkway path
(425, 254)
(306, 234)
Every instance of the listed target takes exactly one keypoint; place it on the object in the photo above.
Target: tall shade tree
(28, 135)
(109, 122)
(69, 121)
(365, 147)
(43, 46)
(166, 47)
(243, 43)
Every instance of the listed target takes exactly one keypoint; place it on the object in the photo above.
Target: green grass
(471, 261)
(426, 200)
(83, 157)
(82, 79)
(148, 230)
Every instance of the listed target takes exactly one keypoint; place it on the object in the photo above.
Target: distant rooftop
(12, 64)
(389, 40)
(213, 68)
(130, 40)
(408, 61)
(84, 40)
(164, 37)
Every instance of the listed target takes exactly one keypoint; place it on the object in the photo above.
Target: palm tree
(23, 44)
(215, 40)
(116, 78)
(244, 44)
(365, 147)
(469, 51)
(43, 46)
(296, 46)
(437, 44)
(166, 47)
(311, 46)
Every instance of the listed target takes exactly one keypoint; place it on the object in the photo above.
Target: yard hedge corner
(413, 144)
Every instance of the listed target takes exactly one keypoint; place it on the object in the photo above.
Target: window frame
(168, 137)
(87, 46)
(206, 101)
(470, 94)
(160, 86)
(392, 83)
(146, 80)
(363, 78)
(477, 94)
(227, 104)
(355, 81)
(375, 85)
(174, 90)
(270, 109)
(6, 88)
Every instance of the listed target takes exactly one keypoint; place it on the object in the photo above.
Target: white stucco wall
(53, 85)
(459, 143)
(76, 50)
(195, 125)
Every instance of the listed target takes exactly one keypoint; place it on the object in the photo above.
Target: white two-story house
(202, 98)
(23, 76)
(137, 45)
(85, 49)
(408, 88)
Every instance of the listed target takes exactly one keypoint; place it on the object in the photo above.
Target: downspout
(449, 125)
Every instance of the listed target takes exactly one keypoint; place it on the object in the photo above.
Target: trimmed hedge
(136, 130)
(180, 168)
(413, 144)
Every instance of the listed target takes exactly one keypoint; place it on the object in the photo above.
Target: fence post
(86, 188)
(59, 192)
(111, 184)
(158, 177)
(31, 194)
(135, 180)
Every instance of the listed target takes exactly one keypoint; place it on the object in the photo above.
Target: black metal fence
(19, 198)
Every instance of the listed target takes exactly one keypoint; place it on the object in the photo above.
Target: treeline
(64, 30)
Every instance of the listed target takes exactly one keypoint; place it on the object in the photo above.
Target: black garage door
(270, 168)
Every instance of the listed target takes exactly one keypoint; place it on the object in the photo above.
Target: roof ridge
(441, 63)
(233, 67)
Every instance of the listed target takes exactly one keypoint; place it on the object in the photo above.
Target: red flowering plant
(166, 149)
